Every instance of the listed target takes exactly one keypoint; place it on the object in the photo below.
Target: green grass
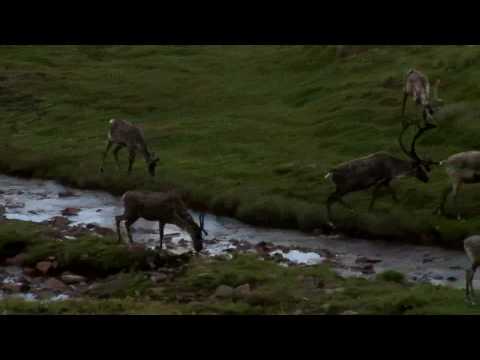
(248, 131)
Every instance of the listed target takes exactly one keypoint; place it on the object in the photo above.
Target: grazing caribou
(377, 170)
(417, 87)
(166, 208)
(462, 168)
(124, 134)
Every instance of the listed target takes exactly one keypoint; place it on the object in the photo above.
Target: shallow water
(38, 200)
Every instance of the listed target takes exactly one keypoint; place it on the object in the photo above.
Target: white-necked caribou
(377, 170)
(462, 168)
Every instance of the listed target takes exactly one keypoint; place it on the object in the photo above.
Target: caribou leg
(456, 187)
(161, 228)
(128, 224)
(404, 103)
(332, 199)
(115, 154)
(131, 160)
(105, 153)
(118, 220)
(470, 273)
(441, 208)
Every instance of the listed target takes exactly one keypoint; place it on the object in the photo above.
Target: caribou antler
(413, 153)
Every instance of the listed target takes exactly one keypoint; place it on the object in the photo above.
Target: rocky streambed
(73, 212)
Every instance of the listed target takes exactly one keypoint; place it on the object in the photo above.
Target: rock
(263, 248)
(29, 271)
(223, 292)
(14, 205)
(158, 277)
(427, 260)
(349, 312)
(437, 277)
(455, 267)
(452, 278)
(91, 226)
(59, 221)
(67, 193)
(15, 287)
(99, 210)
(365, 260)
(326, 308)
(243, 290)
(44, 266)
(69, 278)
(17, 260)
(70, 211)
(55, 284)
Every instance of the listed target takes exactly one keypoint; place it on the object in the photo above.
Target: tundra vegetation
(248, 131)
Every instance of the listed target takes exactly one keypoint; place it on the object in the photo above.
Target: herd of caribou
(375, 171)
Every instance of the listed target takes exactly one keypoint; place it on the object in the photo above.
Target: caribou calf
(462, 168)
(124, 134)
(377, 170)
(417, 87)
(166, 208)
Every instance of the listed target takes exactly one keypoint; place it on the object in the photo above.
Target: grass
(245, 131)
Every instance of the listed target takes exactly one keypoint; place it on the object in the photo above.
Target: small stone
(59, 221)
(99, 210)
(70, 212)
(224, 291)
(70, 279)
(55, 284)
(44, 266)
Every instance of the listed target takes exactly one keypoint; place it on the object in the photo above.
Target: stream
(38, 200)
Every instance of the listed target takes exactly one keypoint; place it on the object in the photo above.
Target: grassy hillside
(248, 131)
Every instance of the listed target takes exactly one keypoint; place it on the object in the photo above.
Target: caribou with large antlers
(377, 170)
(462, 168)
(417, 87)
(166, 208)
(124, 134)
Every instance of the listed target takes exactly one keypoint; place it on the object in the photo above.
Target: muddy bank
(47, 201)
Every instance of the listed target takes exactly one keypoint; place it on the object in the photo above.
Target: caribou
(377, 171)
(166, 208)
(462, 168)
(124, 134)
(417, 87)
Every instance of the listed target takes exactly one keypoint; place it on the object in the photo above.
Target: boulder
(70, 212)
(17, 260)
(69, 278)
(59, 221)
(44, 266)
(55, 285)
(223, 292)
